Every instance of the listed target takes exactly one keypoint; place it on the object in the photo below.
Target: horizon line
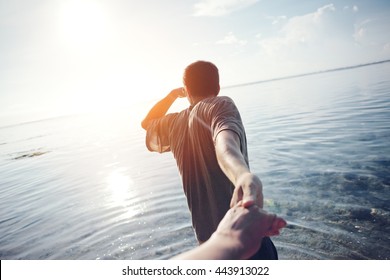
(305, 74)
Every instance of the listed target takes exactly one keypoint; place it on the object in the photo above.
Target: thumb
(252, 197)
(248, 200)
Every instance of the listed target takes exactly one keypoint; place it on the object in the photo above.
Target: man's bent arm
(248, 186)
(160, 108)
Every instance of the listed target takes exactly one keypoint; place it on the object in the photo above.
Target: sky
(74, 56)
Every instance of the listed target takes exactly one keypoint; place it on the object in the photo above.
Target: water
(85, 187)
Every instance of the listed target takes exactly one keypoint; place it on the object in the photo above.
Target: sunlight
(116, 92)
(83, 23)
(106, 70)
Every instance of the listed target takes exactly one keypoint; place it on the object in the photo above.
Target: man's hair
(202, 79)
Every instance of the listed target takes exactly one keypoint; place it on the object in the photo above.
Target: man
(208, 141)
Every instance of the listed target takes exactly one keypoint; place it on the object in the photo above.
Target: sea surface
(85, 186)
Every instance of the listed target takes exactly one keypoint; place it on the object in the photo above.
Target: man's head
(201, 80)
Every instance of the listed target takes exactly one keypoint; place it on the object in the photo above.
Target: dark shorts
(267, 251)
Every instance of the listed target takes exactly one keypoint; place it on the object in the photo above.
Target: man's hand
(249, 190)
(179, 92)
(162, 106)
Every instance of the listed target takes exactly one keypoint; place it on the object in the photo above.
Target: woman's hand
(238, 236)
(243, 228)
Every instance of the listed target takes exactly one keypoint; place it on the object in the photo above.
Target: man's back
(190, 135)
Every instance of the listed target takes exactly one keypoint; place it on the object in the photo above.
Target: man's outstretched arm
(248, 186)
(160, 108)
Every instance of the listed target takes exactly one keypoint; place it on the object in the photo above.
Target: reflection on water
(119, 186)
(122, 193)
(85, 187)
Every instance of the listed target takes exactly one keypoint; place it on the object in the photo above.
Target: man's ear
(189, 96)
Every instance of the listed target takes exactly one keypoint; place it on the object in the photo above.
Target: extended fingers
(269, 224)
(277, 224)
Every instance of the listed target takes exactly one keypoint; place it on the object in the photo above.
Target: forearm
(248, 186)
(229, 156)
(218, 247)
(232, 164)
(159, 109)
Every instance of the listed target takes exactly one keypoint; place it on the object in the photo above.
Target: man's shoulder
(176, 118)
(223, 98)
(175, 115)
(219, 100)
(215, 106)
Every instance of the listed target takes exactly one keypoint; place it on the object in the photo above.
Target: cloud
(318, 40)
(231, 39)
(301, 30)
(215, 8)
(325, 38)
(277, 19)
(372, 32)
(354, 8)
(360, 34)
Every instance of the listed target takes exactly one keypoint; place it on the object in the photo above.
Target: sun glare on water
(121, 193)
(119, 186)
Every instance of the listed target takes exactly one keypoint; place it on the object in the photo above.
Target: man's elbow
(145, 124)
